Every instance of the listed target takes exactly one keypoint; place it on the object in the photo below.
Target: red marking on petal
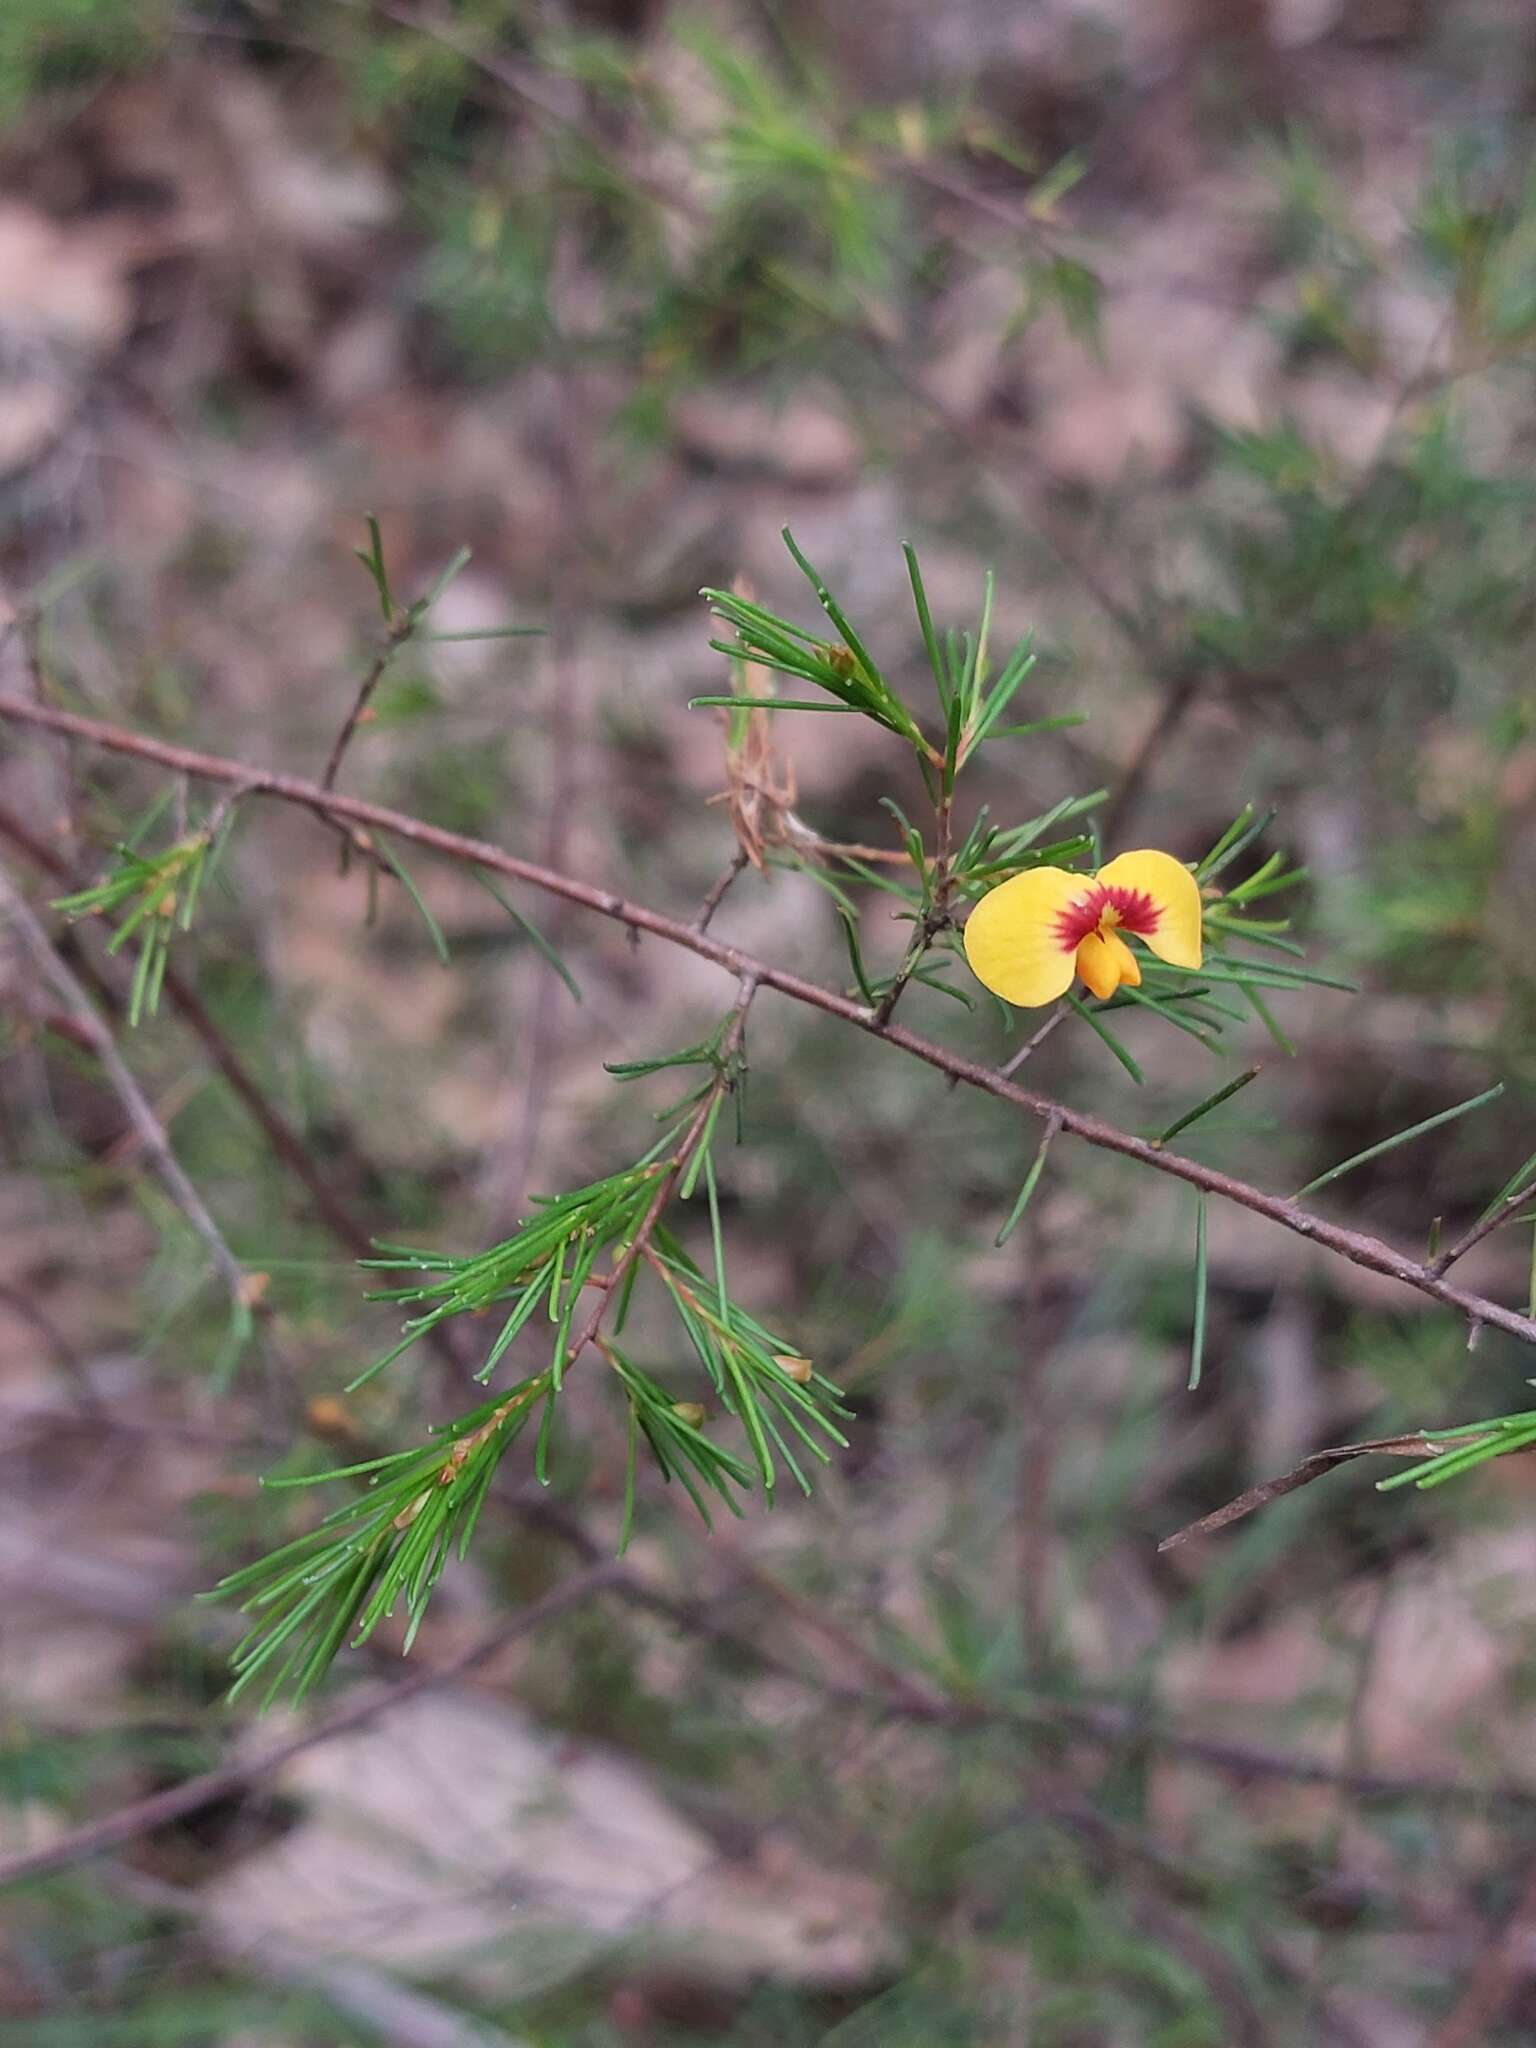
(1138, 912)
(1082, 917)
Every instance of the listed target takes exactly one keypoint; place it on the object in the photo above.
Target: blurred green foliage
(64, 46)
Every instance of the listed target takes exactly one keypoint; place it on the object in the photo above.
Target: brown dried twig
(1417, 1444)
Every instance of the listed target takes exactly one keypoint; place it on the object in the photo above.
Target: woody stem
(936, 918)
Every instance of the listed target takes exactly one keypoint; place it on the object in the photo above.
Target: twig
(399, 631)
(1011, 1066)
(66, 1357)
(922, 939)
(1443, 1261)
(1186, 683)
(1182, 1935)
(1181, 682)
(717, 891)
(890, 1691)
(141, 1116)
(287, 1145)
(935, 920)
(1418, 1444)
(529, 89)
(1040, 514)
(897, 1692)
(194, 1795)
(638, 1245)
(806, 839)
(1360, 1248)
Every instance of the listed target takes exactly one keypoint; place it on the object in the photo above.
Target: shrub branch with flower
(1027, 908)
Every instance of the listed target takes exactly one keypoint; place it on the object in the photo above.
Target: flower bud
(327, 1416)
(800, 1370)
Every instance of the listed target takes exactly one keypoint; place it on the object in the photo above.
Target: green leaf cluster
(570, 1268)
(153, 896)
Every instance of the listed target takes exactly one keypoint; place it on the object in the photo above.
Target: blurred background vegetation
(1210, 328)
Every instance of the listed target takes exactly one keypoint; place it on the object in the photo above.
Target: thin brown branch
(916, 953)
(897, 1690)
(716, 893)
(195, 1795)
(886, 1690)
(1185, 683)
(1181, 683)
(529, 88)
(639, 1245)
(287, 1145)
(1039, 512)
(1037, 1039)
(936, 918)
(808, 840)
(1182, 1935)
(1418, 1444)
(399, 632)
(147, 1127)
(1357, 1246)
(1485, 1227)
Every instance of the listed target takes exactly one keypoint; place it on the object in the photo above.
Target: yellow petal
(1158, 899)
(1013, 940)
(1105, 961)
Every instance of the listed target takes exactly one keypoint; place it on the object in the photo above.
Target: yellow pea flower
(1031, 935)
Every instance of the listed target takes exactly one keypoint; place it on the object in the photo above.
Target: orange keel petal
(1106, 963)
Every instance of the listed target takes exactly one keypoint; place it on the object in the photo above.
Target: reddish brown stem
(1357, 1246)
(399, 632)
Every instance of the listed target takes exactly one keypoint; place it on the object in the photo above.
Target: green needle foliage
(153, 896)
(546, 1264)
(569, 1267)
(1466, 1446)
(843, 668)
(756, 1375)
(386, 1545)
